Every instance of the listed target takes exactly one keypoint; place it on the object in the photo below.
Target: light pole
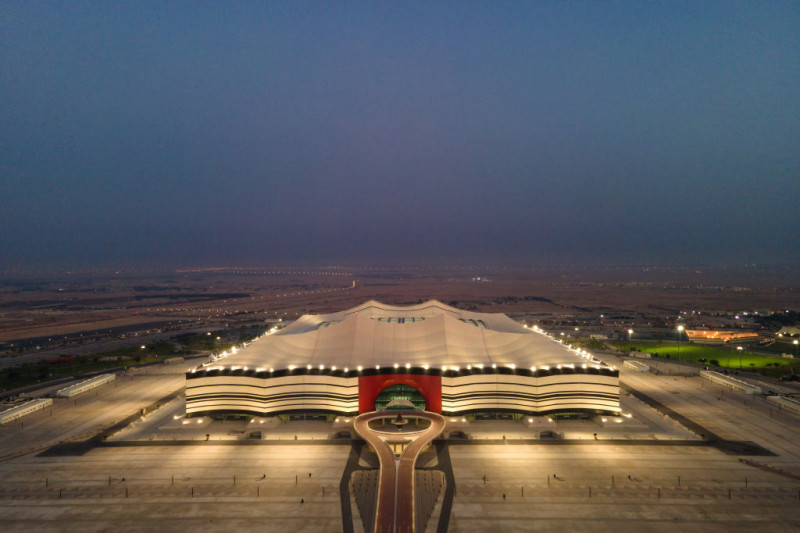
(630, 335)
(795, 342)
(739, 349)
(680, 334)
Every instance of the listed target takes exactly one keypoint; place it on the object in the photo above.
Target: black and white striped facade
(590, 389)
(594, 390)
(232, 392)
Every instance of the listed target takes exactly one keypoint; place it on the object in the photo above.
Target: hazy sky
(238, 133)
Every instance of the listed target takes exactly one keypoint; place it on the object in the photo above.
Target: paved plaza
(644, 472)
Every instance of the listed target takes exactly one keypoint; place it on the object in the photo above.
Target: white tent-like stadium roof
(430, 333)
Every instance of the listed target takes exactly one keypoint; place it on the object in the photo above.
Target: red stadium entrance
(369, 387)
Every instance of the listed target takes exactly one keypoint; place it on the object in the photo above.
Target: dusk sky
(228, 133)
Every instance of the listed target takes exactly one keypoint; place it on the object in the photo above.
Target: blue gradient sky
(260, 133)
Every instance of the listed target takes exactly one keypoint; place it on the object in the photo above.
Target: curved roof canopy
(430, 333)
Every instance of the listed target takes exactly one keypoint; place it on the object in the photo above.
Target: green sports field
(723, 356)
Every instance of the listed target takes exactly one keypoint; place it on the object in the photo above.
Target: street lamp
(630, 335)
(739, 349)
(680, 335)
(795, 342)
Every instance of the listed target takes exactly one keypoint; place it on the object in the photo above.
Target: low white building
(85, 386)
(786, 402)
(637, 366)
(730, 382)
(18, 411)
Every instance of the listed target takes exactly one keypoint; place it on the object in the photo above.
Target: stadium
(440, 358)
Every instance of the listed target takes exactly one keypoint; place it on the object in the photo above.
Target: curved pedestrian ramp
(398, 498)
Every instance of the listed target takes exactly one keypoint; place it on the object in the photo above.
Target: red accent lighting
(369, 387)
